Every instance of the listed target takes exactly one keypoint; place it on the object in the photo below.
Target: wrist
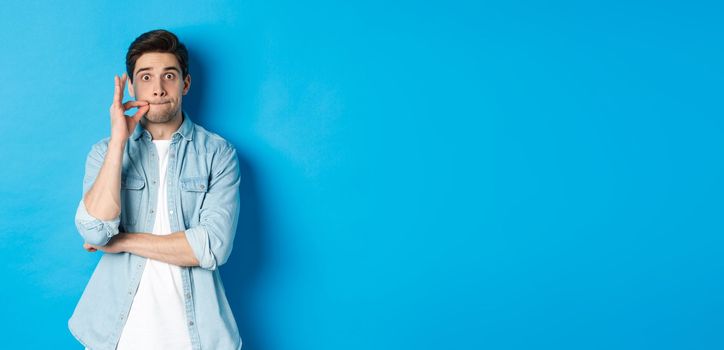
(125, 243)
(116, 143)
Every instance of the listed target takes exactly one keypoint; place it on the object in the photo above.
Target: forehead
(156, 61)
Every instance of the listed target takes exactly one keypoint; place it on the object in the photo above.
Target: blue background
(417, 175)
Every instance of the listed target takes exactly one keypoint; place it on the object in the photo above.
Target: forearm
(103, 200)
(173, 249)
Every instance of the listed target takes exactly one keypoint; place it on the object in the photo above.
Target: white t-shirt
(157, 319)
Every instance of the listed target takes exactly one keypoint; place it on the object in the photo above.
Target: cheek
(140, 90)
(173, 86)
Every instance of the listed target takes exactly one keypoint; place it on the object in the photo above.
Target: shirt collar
(186, 130)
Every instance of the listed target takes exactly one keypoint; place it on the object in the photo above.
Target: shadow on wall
(241, 273)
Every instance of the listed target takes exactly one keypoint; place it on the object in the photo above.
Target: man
(161, 201)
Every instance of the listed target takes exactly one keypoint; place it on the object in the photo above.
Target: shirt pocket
(131, 194)
(193, 191)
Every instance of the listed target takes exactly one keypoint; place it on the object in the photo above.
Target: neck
(163, 131)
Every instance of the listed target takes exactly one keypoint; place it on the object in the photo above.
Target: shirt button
(170, 211)
(188, 295)
(202, 187)
(191, 323)
(151, 211)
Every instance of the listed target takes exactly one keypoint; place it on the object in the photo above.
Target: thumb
(142, 110)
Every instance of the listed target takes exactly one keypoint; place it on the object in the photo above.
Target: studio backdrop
(415, 174)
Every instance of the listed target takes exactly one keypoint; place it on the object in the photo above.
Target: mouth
(158, 103)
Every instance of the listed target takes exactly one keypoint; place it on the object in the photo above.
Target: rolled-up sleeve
(93, 230)
(213, 238)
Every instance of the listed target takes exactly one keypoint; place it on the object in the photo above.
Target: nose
(158, 91)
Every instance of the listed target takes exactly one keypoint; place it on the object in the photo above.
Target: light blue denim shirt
(203, 200)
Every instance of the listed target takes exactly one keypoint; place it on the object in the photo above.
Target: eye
(145, 77)
(169, 76)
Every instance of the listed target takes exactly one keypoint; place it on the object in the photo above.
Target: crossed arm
(206, 244)
(173, 248)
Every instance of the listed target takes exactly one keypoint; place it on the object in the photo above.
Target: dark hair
(157, 41)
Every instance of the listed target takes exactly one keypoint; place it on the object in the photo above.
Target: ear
(187, 83)
(130, 88)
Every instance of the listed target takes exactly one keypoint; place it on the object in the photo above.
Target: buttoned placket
(172, 174)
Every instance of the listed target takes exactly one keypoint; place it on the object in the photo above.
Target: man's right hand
(122, 125)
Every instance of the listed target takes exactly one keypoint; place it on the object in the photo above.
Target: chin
(163, 118)
(160, 116)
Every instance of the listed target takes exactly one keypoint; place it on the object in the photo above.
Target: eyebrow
(165, 69)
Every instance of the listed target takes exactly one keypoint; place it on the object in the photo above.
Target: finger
(132, 104)
(122, 81)
(89, 247)
(117, 97)
(142, 110)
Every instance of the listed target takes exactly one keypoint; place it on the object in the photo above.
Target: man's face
(157, 80)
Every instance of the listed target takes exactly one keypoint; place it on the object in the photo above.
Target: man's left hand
(115, 245)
